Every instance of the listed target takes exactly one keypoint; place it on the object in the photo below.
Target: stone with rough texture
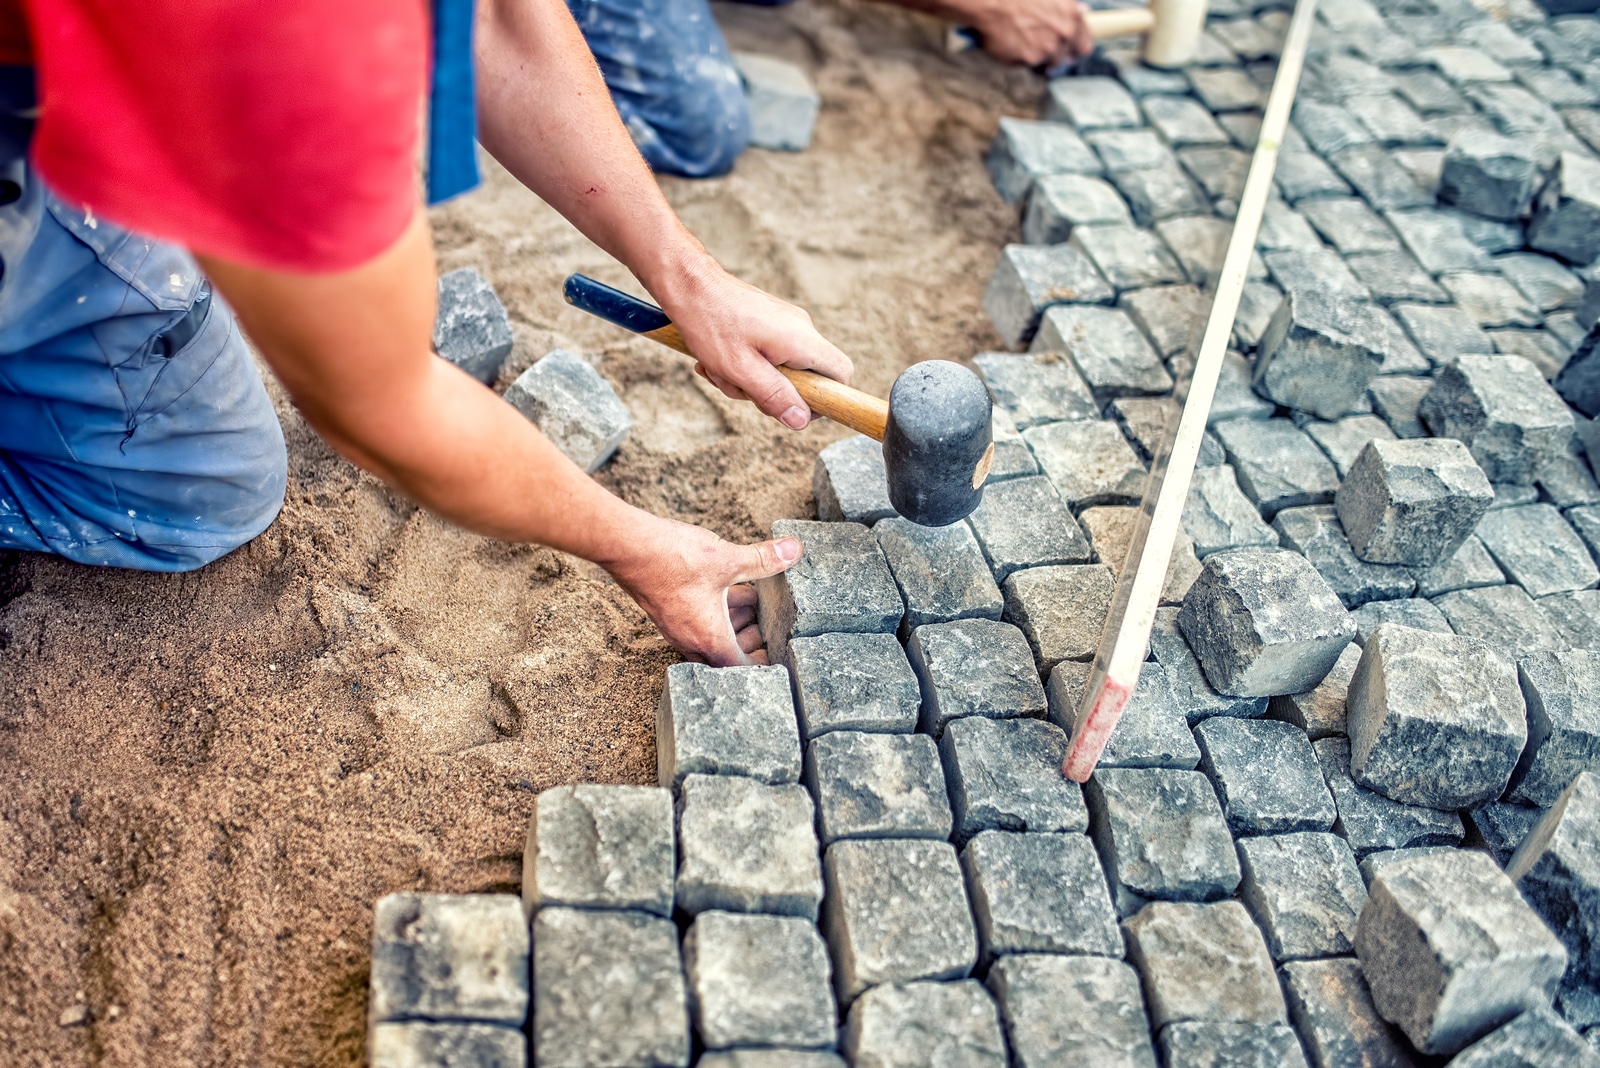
(1396, 400)
(444, 957)
(1090, 462)
(1320, 711)
(1301, 175)
(1371, 822)
(1452, 951)
(974, 667)
(1039, 893)
(1557, 870)
(1257, 305)
(607, 847)
(1434, 719)
(1349, 225)
(1317, 271)
(896, 912)
(1503, 410)
(471, 329)
(1200, 241)
(1500, 827)
(1204, 1044)
(941, 572)
(1129, 150)
(1006, 775)
(1490, 299)
(747, 847)
(1304, 890)
(783, 103)
(1152, 731)
(1469, 568)
(1495, 177)
(1205, 963)
(1072, 1011)
(1412, 502)
(1093, 103)
(1566, 215)
(850, 482)
(1413, 612)
(770, 1058)
(1061, 610)
(1127, 256)
(841, 583)
(853, 682)
(909, 1025)
(1266, 776)
(1024, 523)
(877, 786)
(1562, 692)
(1331, 1007)
(727, 721)
(1036, 388)
(1024, 151)
(1060, 203)
(1217, 515)
(1343, 440)
(1502, 617)
(1536, 1039)
(1031, 278)
(1195, 697)
(758, 981)
(1109, 351)
(1541, 279)
(1437, 240)
(1576, 617)
(1277, 464)
(1182, 121)
(1264, 623)
(1316, 533)
(1379, 177)
(608, 988)
(1170, 316)
(1538, 550)
(1319, 354)
(1443, 333)
(578, 410)
(1111, 529)
(448, 1045)
(1161, 836)
(1376, 862)
(1396, 276)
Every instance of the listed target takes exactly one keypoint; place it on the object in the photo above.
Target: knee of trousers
(698, 125)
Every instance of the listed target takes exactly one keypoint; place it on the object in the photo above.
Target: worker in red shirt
(270, 146)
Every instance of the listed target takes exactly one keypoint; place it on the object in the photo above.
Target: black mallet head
(938, 445)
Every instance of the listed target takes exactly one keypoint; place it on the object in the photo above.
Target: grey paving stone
(1303, 175)
(1501, 43)
(1093, 103)
(1376, 862)
(1492, 236)
(1332, 1009)
(841, 583)
(1390, 119)
(783, 103)
(1578, 381)
(577, 409)
(1451, 950)
(1576, 617)
(471, 328)
(1495, 177)
(1199, 242)
(758, 981)
(727, 721)
(1182, 121)
(1061, 610)
(608, 988)
(744, 846)
(1542, 279)
(1319, 711)
(1152, 731)
(1349, 225)
(1025, 151)
(1500, 826)
(1277, 464)
(1161, 836)
(1557, 870)
(1108, 350)
(1395, 276)
(1248, 38)
(1380, 178)
(1039, 893)
(1006, 775)
(1328, 127)
(1257, 304)
(1443, 333)
(1194, 695)
(896, 912)
(1283, 227)
(1562, 693)
(974, 667)
(449, 957)
(1035, 388)
(1539, 347)
(1319, 354)
(1159, 192)
(850, 482)
(1060, 203)
(592, 846)
(1128, 257)
(1344, 439)
(1490, 299)
(1127, 150)
(1171, 317)
(1304, 891)
(877, 786)
(1412, 502)
(1566, 214)
(1536, 1039)
(1142, 80)
(447, 1045)
(1221, 172)
(1426, 91)
(1090, 462)
(941, 571)
(1503, 618)
(1147, 421)
(1538, 550)
(853, 682)
(905, 1025)
(1031, 278)
(1072, 1010)
(1024, 523)
(769, 1058)
(1507, 495)
(1371, 822)
(1110, 529)
(1225, 89)
(1504, 411)
(1265, 775)
(1463, 65)
(1321, 271)
(1413, 612)
(1199, 1044)
(1234, 397)
(1204, 963)
(1438, 242)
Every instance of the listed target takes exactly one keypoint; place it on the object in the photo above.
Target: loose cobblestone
(727, 721)
(1032, 278)
(1503, 410)
(449, 957)
(595, 846)
(1024, 523)
(841, 583)
(1320, 711)
(1190, 689)
(1412, 502)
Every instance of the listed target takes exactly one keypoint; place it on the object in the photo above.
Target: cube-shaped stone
(1091, 103)
(897, 912)
(1396, 276)
(1278, 466)
(1151, 732)
(1024, 151)
(1537, 1037)
(1411, 612)
(1503, 410)
(1538, 550)
(1198, 1043)
(1385, 183)
(1371, 822)
(1039, 893)
(607, 989)
(578, 410)
(974, 667)
(1204, 963)
(1557, 869)
(906, 1025)
(1319, 352)
(1373, 863)
(853, 682)
(449, 957)
(1320, 711)
(1412, 502)
(1062, 202)
(941, 572)
(727, 721)
(1434, 719)
(1491, 300)
(607, 847)
(1437, 240)
(1160, 192)
(747, 847)
(1127, 256)
(1562, 694)
(1072, 1010)
(1111, 529)
(1452, 951)
(1495, 177)
(877, 786)
(1089, 461)
(770, 1058)
(406, 1045)
(850, 482)
(1470, 568)
(1316, 533)
(758, 981)
(1344, 439)
(841, 583)
(1265, 775)
(1305, 892)
(1129, 150)
(1349, 225)
(1264, 622)
(1170, 316)
(1036, 388)
(1576, 616)
(1217, 515)
(1060, 610)
(1030, 278)
(471, 328)
(1194, 695)
(1542, 280)
(783, 104)
(1024, 523)
(1109, 351)
(1161, 835)
(1396, 400)
(1331, 1007)
(1500, 827)
(1302, 174)
(1182, 121)
(1443, 333)
(1502, 617)
(1200, 241)
(1566, 215)
(1006, 775)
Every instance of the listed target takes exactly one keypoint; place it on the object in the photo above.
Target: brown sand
(210, 778)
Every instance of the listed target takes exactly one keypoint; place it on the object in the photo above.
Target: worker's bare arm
(1035, 32)
(546, 116)
(353, 351)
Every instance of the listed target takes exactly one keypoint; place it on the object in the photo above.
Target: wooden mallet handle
(859, 411)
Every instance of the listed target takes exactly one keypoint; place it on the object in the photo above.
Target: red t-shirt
(278, 133)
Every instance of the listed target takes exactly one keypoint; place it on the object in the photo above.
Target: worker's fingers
(764, 559)
(772, 393)
(741, 618)
(742, 596)
(749, 639)
(759, 657)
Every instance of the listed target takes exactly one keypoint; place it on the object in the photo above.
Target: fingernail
(795, 418)
(788, 550)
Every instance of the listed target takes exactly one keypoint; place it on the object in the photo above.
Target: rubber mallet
(935, 426)
(1171, 30)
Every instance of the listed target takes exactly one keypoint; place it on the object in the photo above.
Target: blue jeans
(135, 430)
(672, 79)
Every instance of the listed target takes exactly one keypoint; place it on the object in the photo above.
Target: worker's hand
(695, 586)
(738, 333)
(1037, 33)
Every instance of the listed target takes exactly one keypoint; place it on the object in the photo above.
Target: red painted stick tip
(1090, 740)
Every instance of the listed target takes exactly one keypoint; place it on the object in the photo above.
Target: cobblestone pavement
(1351, 816)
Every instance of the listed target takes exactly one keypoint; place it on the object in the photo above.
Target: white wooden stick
(1126, 638)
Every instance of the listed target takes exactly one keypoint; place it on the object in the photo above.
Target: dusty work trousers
(135, 430)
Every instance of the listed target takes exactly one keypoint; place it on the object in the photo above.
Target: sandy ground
(210, 778)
